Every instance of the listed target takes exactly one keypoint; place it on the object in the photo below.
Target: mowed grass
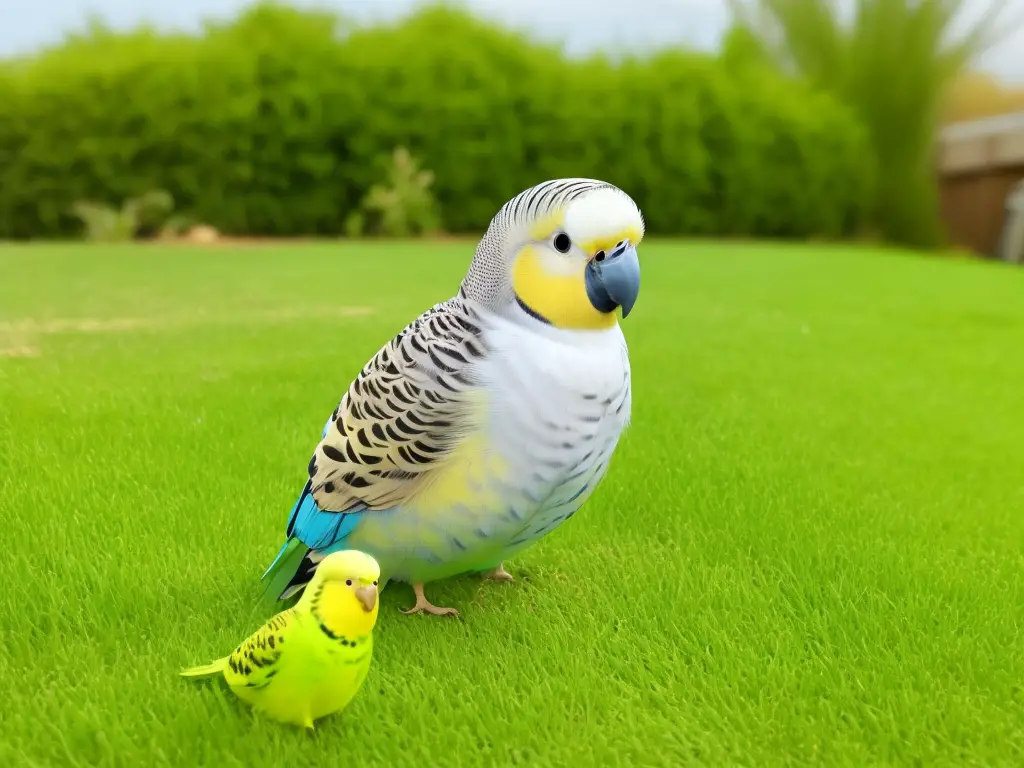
(809, 547)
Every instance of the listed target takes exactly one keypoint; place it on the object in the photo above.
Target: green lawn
(809, 548)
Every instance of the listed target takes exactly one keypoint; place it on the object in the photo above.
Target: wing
(403, 415)
(255, 662)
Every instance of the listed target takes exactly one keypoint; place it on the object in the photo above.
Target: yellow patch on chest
(465, 486)
(468, 479)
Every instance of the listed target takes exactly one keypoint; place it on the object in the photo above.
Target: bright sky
(581, 24)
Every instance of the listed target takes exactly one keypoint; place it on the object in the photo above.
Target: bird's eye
(375, 583)
(348, 582)
(562, 242)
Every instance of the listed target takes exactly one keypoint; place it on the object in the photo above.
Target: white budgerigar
(490, 419)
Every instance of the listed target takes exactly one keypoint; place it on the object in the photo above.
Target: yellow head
(562, 253)
(342, 594)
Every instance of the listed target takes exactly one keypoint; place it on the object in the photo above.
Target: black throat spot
(531, 311)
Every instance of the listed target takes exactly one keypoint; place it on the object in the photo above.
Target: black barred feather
(253, 664)
(380, 445)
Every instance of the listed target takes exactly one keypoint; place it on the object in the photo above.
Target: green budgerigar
(310, 660)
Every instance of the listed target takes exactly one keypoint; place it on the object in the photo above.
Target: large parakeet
(489, 420)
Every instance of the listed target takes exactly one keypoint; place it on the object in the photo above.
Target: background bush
(279, 122)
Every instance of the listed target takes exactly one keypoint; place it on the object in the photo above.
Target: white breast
(558, 402)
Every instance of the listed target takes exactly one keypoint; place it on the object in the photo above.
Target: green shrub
(142, 215)
(404, 207)
(275, 124)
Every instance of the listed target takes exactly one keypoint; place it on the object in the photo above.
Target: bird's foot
(425, 606)
(499, 574)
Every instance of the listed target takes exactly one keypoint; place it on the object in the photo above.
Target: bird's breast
(557, 409)
(550, 416)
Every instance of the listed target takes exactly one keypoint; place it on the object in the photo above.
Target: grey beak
(614, 281)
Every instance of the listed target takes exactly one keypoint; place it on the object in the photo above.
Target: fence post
(1012, 240)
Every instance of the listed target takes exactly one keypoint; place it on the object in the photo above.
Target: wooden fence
(981, 165)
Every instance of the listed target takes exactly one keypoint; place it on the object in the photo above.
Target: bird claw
(499, 574)
(425, 606)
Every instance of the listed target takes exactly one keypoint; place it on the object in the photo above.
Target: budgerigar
(489, 420)
(310, 660)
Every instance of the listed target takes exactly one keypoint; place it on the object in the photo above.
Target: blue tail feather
(309, 529)
(317, 529)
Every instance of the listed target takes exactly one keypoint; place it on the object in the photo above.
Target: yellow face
(550, 273)
(344, 593)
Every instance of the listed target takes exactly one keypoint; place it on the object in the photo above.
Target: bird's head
(343, 592)
(563, 254)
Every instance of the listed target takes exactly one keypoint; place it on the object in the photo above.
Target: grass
(808, 548)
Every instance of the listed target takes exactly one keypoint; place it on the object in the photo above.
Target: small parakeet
(490, 419)
(310, 660)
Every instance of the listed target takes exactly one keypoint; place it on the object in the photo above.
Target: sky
(580, 24)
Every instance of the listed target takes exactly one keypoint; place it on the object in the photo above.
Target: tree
(892, 62)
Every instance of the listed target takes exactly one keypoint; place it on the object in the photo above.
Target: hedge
(278, 122)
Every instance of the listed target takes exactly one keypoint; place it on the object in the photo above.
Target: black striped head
(562, 253)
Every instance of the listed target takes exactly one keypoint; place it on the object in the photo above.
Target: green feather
(282, 569)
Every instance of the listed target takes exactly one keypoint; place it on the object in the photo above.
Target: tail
(296, 562)
(206, 670)
(281, 574)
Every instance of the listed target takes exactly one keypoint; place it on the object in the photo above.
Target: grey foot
(499, 574)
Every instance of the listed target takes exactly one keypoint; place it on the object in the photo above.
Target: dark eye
(562, 242)
(375, 583)
(348, 582)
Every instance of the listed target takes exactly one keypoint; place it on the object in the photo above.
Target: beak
(368, 597)
(614, 281)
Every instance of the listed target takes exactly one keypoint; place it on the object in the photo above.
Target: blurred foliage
(892, 63)
(975, 95)
(743, 50)
(144, 214)
(104, 223)
(176, 226)
(405, 207)
(274, 124)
